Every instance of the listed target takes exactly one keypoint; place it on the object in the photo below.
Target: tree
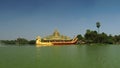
(117, 39)
(21, 41)
(102, 38)
(79, 37)
(110, 39)
(90, 36)
(98, 25)
(32, 42)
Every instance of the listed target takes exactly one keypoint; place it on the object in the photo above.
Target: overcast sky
(30, 18)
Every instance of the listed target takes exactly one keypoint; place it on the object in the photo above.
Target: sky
(30, 18)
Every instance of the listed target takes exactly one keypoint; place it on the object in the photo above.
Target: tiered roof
(56, 36)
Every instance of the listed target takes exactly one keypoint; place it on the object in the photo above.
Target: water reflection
(78, 56)
(60, 56)
(37, 57)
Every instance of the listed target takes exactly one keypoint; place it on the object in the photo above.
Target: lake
(76, 56)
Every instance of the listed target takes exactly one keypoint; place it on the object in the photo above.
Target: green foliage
(93, 37)
(8, 41)
(21, 41)
(32, 42)
(90, 36)
(110, 39)
(103, 38)
(79, 37)
(98, 25)
(18, 41)
(116, 39)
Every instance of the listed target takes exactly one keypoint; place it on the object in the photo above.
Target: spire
(56, 33)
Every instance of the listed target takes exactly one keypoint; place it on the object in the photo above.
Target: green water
(84, 56)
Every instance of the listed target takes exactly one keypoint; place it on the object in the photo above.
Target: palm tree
(98, 25)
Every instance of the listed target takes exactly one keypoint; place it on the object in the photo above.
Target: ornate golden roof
(56, 36)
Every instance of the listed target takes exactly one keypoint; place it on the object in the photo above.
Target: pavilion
(56, 36)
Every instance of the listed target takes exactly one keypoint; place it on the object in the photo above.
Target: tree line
(18, 41)
(92, 36)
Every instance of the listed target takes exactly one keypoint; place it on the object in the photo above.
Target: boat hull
(71, 42)
(64, 43)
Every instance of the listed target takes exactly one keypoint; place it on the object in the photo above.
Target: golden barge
(55, 39)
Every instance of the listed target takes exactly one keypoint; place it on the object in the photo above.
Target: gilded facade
(56, 36)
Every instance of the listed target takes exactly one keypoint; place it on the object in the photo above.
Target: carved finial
(38, 37)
